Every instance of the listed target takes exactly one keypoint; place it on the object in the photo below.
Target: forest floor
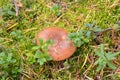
(96, 58)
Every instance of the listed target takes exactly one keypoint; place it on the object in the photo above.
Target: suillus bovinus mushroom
(62, 48)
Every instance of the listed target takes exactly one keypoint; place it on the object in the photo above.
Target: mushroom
(62, 48)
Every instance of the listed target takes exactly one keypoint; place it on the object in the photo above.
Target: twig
(103, 31)
(16, 7)
(17, 4)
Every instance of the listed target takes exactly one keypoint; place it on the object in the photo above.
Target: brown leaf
(19, 3)
(79, 18)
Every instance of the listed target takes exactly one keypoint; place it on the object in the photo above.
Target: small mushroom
(62, 48)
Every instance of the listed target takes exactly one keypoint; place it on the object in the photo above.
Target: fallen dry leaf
(80, 17)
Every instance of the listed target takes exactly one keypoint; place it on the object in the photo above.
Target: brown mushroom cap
(62, 48)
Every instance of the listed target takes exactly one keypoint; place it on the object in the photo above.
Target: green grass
(18, 37)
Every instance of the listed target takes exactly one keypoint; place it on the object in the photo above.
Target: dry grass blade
(86, 57)
(116, 2)
(28, 30)
(57, 20)
(12, 26)
(86, 71)
(6, 42)
(88, 77)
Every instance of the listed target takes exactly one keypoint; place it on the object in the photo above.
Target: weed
(79, 38)
(8, 66)
(56, 9)
(84, 36)
(104, 59)
(41, 52)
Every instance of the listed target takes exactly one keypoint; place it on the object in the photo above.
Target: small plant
(104, 59)
(8, 66)
(92, 27)
(16, 35)
(7, 10)
(79, 38)
(56, 8)
(41, 52)
(83, 36)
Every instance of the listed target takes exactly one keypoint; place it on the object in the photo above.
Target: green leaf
(88, 34)
(80, 33)
(71, 35)
(96, 29)
(88, 25)
(2, 62)
(54, 7)
(111, 65)
(49, 42)
(38, 54)
(99, 68)
(45, 46)
(31, 60)
(2, 54)
(35, 47)
(10, 13)
(97, 61)
(116, 26)
(41, 41)
(41, 61)
(99, 54)
(13, 60)
(47, 56)
(66, 63)
(111, 56)
(78, 42)
(86, 40)
(102, 48)
(9, 57)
